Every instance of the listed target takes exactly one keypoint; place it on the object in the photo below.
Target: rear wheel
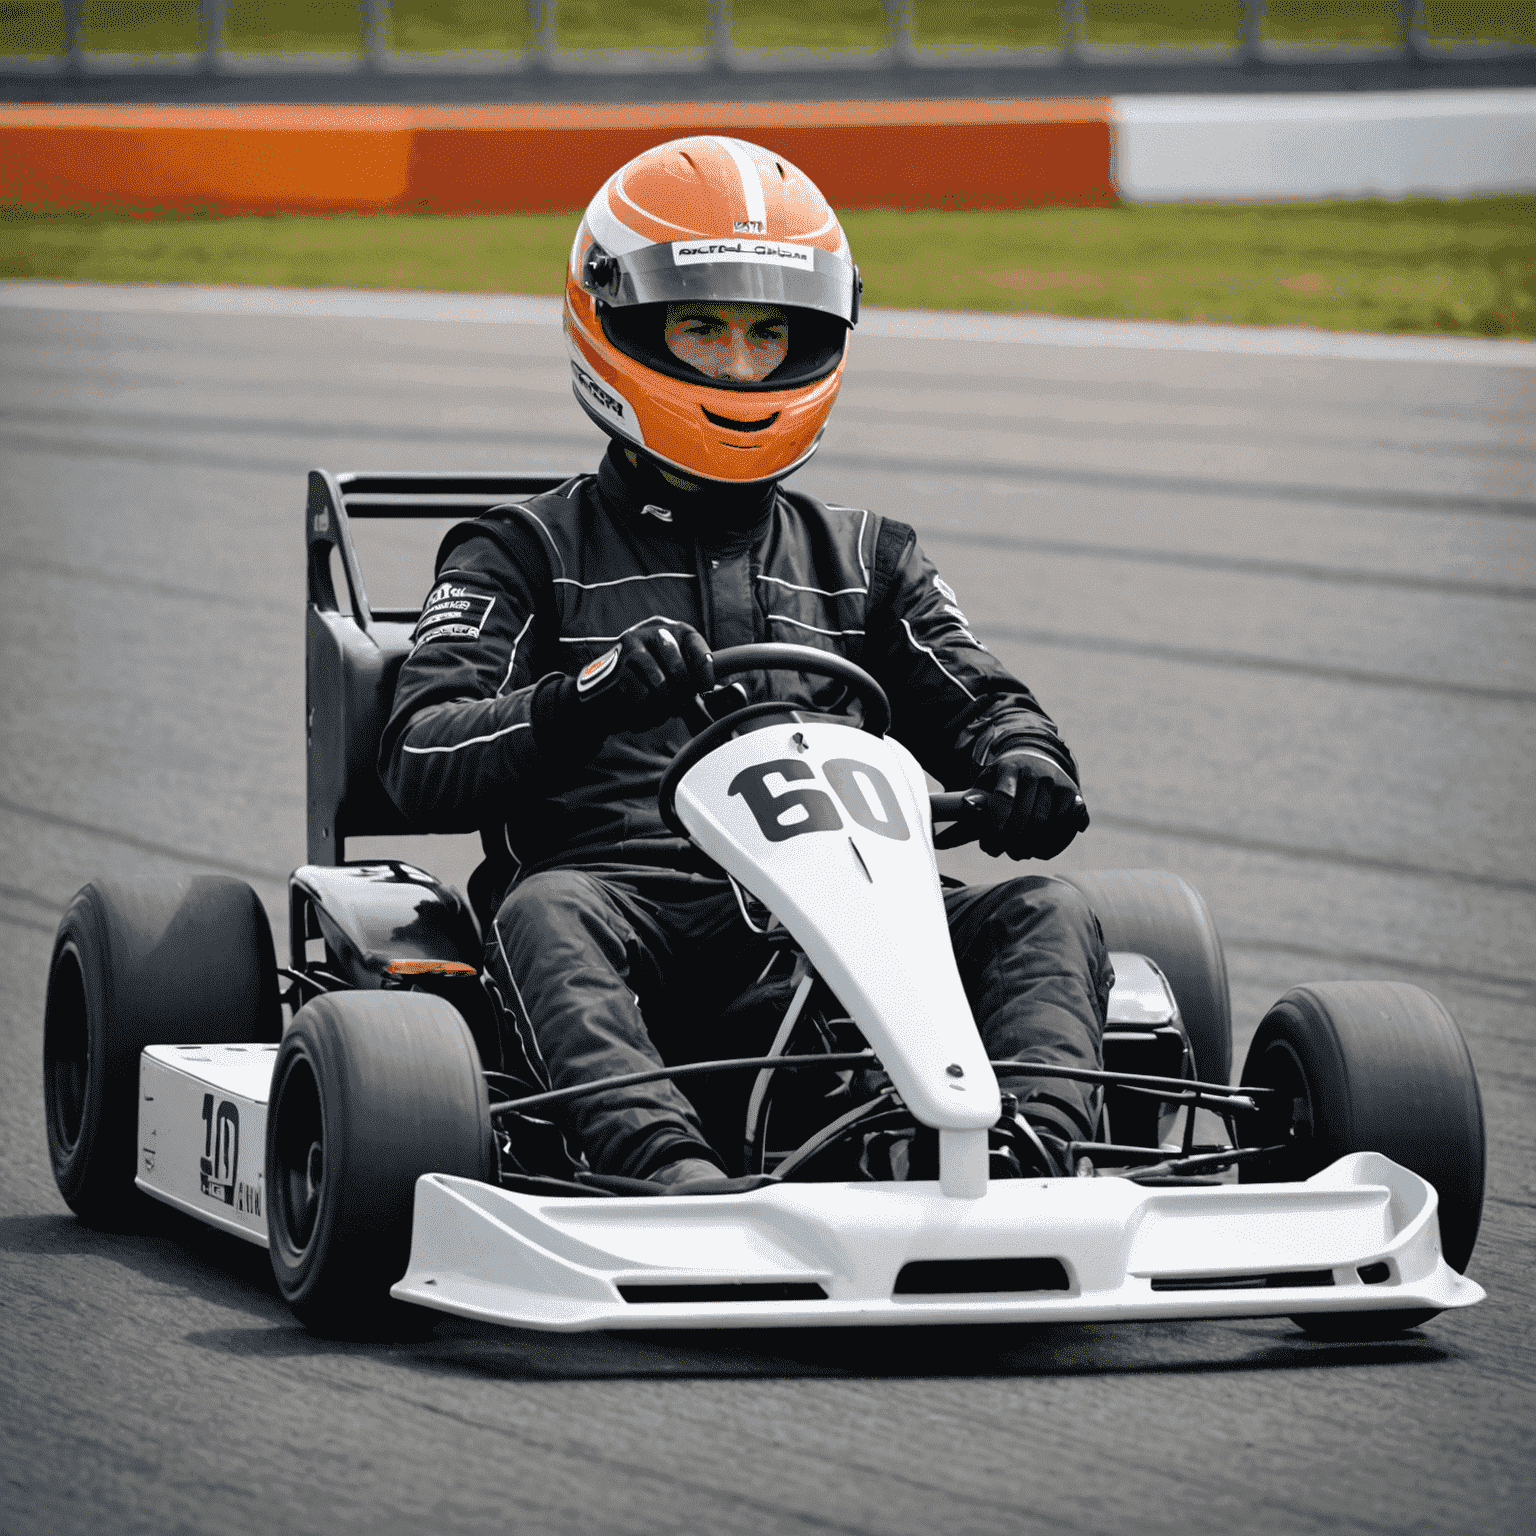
(1370, 1066)
(1156, 913)
(370, 1091)
(186, 962)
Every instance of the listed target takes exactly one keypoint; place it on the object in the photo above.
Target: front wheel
(1370, 1066)
(370, 1091)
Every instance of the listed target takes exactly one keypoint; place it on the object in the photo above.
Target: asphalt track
(1280, 593)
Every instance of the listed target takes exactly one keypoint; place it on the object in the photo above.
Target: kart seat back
(352, 657)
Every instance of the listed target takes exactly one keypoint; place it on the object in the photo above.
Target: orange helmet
(709, 219)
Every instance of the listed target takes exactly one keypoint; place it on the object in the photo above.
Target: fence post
(375, 20)
(210, 34)
(74, 35)
(720, 37)
(898, 19)
(1412, 12)
(1074, 33)
(542, 36)
(1253, 31)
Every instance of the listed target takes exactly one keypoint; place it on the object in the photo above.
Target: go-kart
(386, 1151)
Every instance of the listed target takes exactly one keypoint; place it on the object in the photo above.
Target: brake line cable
(694, 1069)
(1171, 1089)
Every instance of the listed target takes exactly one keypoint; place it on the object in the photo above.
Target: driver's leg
(1032, 957)
(573, 954)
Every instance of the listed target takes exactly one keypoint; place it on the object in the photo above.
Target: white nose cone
(829, 827)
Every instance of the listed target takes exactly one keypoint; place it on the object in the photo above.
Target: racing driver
(710, 293)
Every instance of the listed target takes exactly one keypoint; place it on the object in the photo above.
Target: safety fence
(1255, 43)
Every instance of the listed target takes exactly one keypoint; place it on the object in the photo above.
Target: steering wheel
(769, 658)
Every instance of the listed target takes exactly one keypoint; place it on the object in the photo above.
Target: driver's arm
(476, 716)
(954, 704)
(460, 736)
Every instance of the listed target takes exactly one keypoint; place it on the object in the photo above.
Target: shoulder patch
(452, 612)
(945, 588)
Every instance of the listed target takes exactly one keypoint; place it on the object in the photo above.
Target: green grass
(631, 23)
(1416, 266)
(988, 23)
(810, 23)
(1479, 18)
(1133, 22)
(431, 26)
(1466, 267)
(170, 26)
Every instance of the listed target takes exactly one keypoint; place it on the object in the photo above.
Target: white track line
(894, 324)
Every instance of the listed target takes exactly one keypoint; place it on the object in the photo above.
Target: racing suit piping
(473, 741)
(512, 659)
(927, 651)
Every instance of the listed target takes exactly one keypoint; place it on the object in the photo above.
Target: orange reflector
(429, 968)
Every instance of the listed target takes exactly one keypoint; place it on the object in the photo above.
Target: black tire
(1158, 914)
(1370, 1066)
(370, 1091)
(185, 962)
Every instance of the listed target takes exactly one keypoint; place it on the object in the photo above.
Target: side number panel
(202, 1132)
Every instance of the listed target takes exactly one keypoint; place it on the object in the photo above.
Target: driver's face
(740, 342)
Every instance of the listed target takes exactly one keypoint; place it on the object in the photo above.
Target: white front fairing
(830, 828)
(203, 1132)
(1361, 1236)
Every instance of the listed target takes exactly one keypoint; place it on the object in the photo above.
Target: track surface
(1283, 608)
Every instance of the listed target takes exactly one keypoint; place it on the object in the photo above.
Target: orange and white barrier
(863, 154)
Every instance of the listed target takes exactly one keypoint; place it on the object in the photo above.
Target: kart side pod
(369, 914)
(829, 828)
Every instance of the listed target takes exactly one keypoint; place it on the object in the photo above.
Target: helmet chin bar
(681, 471)
(705, 481)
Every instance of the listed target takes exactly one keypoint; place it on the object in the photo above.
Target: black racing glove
(648, 677)
(1029, 807)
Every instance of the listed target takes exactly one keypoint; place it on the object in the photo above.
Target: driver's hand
(1029, 807)
(647, 677)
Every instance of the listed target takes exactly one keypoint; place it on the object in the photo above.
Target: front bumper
(1362, 1235)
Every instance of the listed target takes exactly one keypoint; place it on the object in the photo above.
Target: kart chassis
(1141, 1231)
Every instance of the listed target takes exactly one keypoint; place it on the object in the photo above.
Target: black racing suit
(616, 943)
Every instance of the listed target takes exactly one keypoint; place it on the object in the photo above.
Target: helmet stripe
(829, 224)
(751, 184)
(607, 228)
(618, 187)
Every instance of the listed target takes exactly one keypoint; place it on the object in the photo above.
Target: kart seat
(352, 658)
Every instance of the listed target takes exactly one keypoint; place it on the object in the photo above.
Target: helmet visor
(731, 271)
